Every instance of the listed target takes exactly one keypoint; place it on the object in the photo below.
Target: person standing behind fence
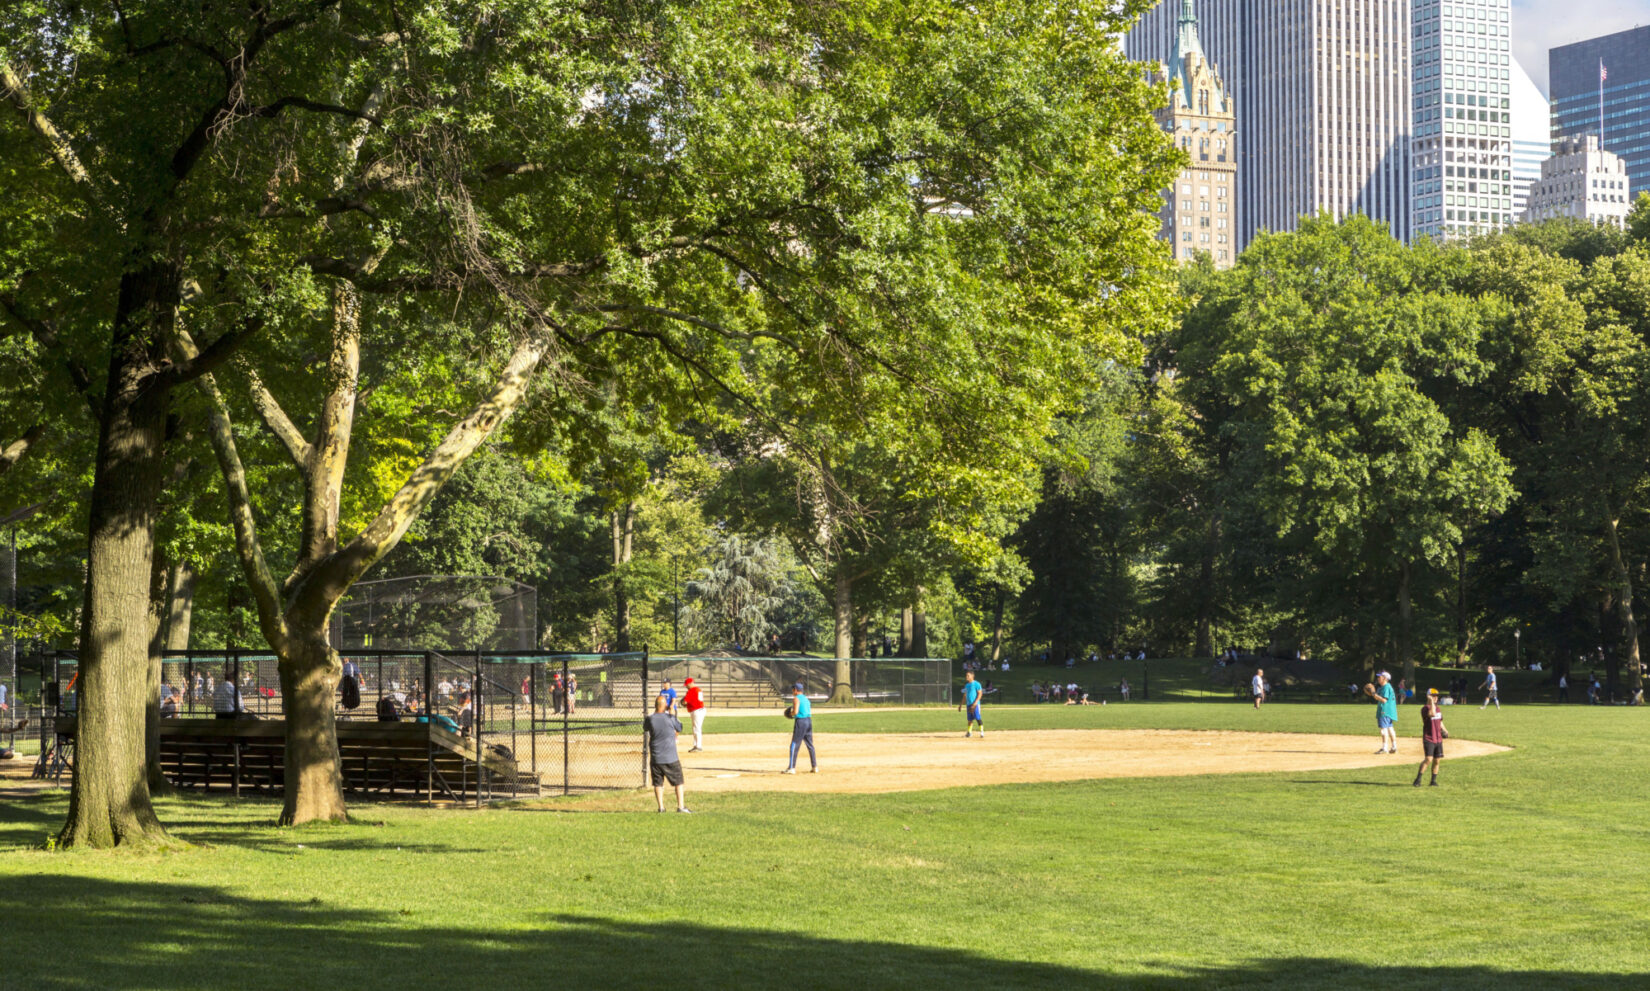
(659, 733)
(570, 694)
(694, 702)
(802, 729)
(669, 695)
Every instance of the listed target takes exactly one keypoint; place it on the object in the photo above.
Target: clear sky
(1542, 24)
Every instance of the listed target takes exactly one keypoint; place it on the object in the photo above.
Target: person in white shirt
(1257, 687)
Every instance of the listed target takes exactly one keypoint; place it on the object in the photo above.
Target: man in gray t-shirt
(659, 734)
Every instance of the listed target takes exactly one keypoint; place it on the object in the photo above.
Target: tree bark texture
(310, 670)
(624, 532)
(1624, 607)
(1205, 645)
(109, 803)
(997, 627)
(1406, 621)
(842, 615)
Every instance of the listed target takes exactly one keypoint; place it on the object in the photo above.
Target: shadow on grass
(122, 934)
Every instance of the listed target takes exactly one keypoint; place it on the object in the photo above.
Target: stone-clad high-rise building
(1463, 129)
(1323, 88)
(1199, 210)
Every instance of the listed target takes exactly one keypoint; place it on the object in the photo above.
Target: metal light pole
(676, 605)
(1518, 640)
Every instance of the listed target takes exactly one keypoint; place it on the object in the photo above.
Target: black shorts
(1431, 749)
(666, 773)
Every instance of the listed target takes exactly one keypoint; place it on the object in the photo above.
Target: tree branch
(13, 452)
(274, 417)
(216, 353)
(15, 93)
(330, 579)
(265, 593)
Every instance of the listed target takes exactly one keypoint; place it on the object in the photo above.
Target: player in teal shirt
(1386, 713)
(802, 729)
(972, 693)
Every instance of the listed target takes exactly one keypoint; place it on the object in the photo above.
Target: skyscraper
(1323, 88)
(1616, 67)
(1531, 135)
(1198, 210)
(1580, 181)
(1462, 148)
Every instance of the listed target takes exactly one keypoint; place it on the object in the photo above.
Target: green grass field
(1523, 871)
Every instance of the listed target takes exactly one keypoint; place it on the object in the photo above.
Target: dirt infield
(871, 763)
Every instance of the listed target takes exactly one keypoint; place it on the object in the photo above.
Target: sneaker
(688, 811)
(694, 750)
(1381, 751)
(788, 770)
(1434, 783)
(967, 735)
(1417, 781)
(814, 769)
(982, 734)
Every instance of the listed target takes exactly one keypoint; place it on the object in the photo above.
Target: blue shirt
(1389, 702)
(804, 707)
(669, 695)
(971, 692)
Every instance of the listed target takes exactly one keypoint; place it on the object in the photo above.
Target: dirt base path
(870, 763)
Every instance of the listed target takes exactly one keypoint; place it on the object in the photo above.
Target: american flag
(1603, 73)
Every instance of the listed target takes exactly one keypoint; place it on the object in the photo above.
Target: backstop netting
(448, 613)
(766, 682)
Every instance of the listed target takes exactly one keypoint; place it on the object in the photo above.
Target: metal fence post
(566, 758)
(645, 708)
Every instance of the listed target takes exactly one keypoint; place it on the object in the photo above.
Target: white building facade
(1583, 181)
(1462, 147)
(1323, 88)
(1531, 136)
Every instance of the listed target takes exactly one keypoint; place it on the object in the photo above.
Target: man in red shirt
(1432, 737)
(694, 702)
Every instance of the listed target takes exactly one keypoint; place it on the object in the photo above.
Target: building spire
(1186, 45)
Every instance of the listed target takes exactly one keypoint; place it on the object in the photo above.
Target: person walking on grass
(1488, 685)
(1386, 711)
(659, 733)
(801, 712)
(1432, 736)
(694, 702)
(972, 695)
(1257, 686)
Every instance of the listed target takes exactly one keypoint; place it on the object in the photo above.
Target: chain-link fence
(766, 682)
(475, 727)
(449, 613)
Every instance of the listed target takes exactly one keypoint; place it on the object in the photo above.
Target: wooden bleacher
(378, 760)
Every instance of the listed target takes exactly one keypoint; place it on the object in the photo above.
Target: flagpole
(1603, 74)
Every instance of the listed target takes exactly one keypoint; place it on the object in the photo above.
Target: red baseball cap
(687, 681)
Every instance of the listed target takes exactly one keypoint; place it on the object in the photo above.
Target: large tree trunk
(1462, 639)
(1205, 645)
(110, 804)
(997, 627)
(310, 670)
(1624, 605)
(624, 531)
(919, 624)
(1406, 617)
(842, 614)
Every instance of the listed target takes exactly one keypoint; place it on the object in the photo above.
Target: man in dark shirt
(1432, 736)
(659, 733)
